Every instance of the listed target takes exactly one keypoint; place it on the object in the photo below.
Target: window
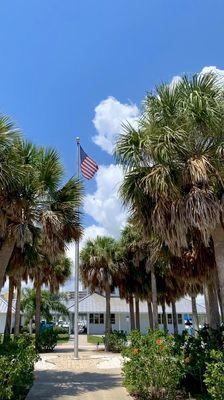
(159, 319)
(180, 319)
(96, 319)
(112, 319)
(169, 318)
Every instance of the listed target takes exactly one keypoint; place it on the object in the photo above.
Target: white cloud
(104, 205)
(109, 116)
(205, 70)
(175, 80)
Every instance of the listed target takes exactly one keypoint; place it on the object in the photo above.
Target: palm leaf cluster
(173, 177)
(39, 213)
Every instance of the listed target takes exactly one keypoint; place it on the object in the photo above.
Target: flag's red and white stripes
(88, 166)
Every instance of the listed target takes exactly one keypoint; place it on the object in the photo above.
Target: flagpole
(76, 305)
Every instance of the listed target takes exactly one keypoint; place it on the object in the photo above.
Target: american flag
(88, 166)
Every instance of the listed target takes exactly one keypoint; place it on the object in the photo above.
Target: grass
(94, 339)
(63, 338)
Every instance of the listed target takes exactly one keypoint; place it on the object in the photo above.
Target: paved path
(95, 376)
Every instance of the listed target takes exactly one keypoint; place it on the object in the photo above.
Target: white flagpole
(76, 305)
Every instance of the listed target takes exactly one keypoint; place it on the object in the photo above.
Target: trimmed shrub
(214, 375)
(61, 330)
(151, 370)
(116, 341)
(17, 359)
(46, 341)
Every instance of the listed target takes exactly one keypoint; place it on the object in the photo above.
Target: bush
(214, 375)
(115, 340)
(197, 354)
(17, 359)
(61, 330)
(46, 341)
(151, 370)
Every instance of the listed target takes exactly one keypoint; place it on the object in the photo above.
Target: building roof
(96, 303)
(4, 305)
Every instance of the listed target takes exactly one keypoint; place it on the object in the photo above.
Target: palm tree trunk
(18, 301)
(206, 303)
(5, 255)
(165, 327)
(194, 314)
(149, 304)
(154, 298)
(30, 326)
(37, 308)
(108, 328)
(8, 321)
(218, 240)
(174, 315)
(213, 316)
(137, 315)
(52, 288)
(220, 303)
(132, 315)
(107, 320)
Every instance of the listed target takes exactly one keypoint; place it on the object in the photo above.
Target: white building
(92, 310)
(3, 311)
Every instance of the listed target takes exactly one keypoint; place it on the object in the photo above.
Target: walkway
(96, 375)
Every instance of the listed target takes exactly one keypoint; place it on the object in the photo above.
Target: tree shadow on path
(54, 384)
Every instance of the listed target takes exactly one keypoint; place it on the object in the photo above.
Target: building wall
(2, 322)
(122, 322)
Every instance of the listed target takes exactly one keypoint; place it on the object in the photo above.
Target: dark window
(159, 319)
(112, 319)
(96, 319)
(170, 319)
(180, 319)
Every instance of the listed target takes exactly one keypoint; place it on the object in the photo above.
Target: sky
(82, 67)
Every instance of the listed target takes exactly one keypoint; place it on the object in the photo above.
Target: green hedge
(115, 340)
(17, 358)
(46, 341)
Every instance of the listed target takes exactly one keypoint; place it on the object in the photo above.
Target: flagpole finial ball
(78, 139)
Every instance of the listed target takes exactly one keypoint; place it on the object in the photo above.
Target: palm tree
(98, 269)
(49, 304)
(38, 200)
(175, 162)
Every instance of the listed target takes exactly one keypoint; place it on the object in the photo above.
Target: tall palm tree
(98, 269)
(38, 200)
(175, 162)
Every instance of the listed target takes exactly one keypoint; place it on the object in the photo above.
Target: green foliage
(49, 302)
(60, 330)
(63, 337)
(197, 355)
(151, 370)
(17, 359)
(46, 341)
(116, 341)
(214, 375)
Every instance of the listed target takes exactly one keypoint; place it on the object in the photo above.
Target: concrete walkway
(95, 376)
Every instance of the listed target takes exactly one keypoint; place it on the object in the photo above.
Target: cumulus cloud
(104, 204)
(109, 116)
(205, 70)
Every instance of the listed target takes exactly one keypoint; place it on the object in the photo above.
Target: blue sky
(64, 63)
